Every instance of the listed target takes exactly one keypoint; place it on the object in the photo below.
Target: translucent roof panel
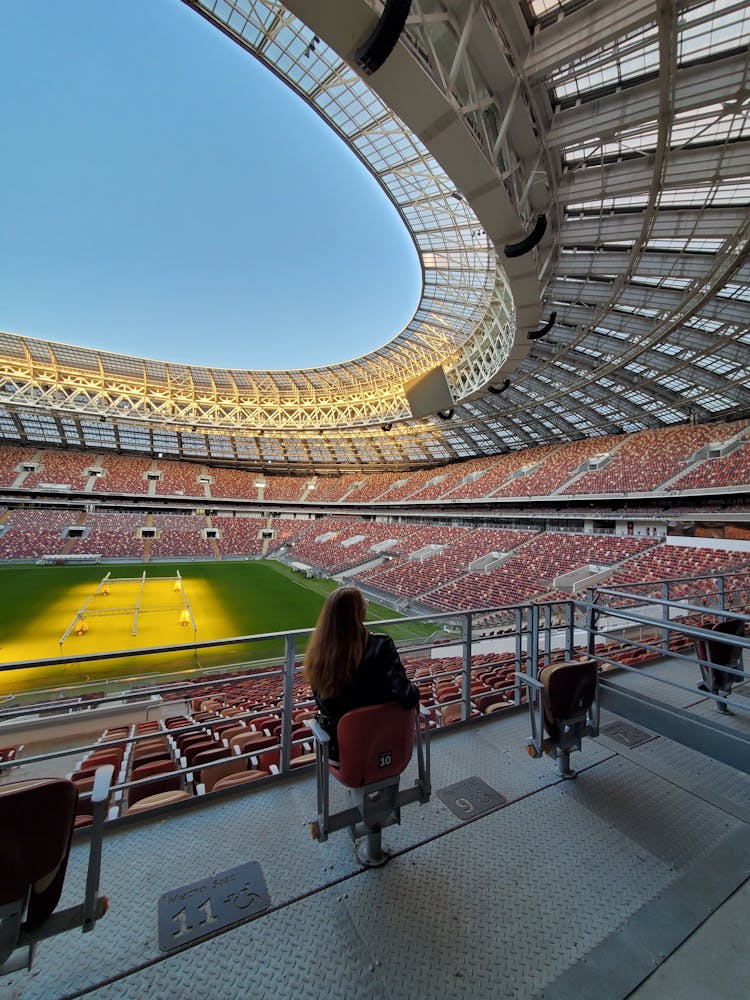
(730, 192)
(710, 28)
(704, 30)
(707, 124)
(546, 8)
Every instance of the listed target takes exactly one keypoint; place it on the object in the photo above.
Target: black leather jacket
(379, 678)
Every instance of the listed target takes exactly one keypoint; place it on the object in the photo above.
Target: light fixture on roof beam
(374, 51)
(536, 334)
(387, 427)
(528, 242)
(446, 414)
(495, 390)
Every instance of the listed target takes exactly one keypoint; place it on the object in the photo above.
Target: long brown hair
(337, 644)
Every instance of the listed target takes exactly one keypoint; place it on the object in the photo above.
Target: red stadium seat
(375, 746)
(568, 697)
(169, 782)
(715, 655)
(36, 826)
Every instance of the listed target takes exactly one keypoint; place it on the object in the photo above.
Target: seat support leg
(563, 764)
(370, 851)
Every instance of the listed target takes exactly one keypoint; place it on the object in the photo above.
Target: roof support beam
(686, 168)
(582, 31)
(695, 87)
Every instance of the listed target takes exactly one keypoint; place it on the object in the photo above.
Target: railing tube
(533, 665)
(721, 592)
(519, 656)
(665, 617)
(466, 669)
(570, 625)
(290, 647)
(547, 627)
(591, 617)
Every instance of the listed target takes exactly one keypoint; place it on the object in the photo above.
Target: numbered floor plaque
(625, 733)
(470, 797)
(213, 903)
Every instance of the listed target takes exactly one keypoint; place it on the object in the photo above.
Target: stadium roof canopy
(623, 124)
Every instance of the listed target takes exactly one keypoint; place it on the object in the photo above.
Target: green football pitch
(226, 600)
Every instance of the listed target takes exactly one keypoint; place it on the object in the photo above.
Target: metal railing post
(533, 670)
(519, 655)
(466, 669)
(591, 616)
(665, 617)
(570, 625)
(290, 648)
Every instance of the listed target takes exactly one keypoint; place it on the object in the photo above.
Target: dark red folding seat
(147, 727)
(569, 690)
(37, 819)
(194, 749)
(176, 721)
(566, 708)
(208, 756)
(219, 727)
(149, 754)
(486, 701)
(375, 743)
(36, 826)
(375, 746)
(95, 761)
(168, 782)
(715, 655)
(264, 723)
(251, 741)
(192, 739)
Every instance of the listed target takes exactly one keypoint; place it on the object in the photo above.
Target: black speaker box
(371, 55)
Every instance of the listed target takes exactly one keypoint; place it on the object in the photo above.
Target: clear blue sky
(163, 194)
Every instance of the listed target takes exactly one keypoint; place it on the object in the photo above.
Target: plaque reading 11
(211, 904)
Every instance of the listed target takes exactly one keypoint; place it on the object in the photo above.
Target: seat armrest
(102, 781)
(317, 730)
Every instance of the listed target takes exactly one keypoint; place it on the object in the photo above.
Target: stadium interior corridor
(570, 889)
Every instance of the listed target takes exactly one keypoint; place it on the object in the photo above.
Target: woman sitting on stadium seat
(349, 667)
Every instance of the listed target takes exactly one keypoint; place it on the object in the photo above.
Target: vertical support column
(534, 691)
(570, 625)
(290, 647)
(533, 613)
(721, 593)
(371, 854)
(547, 628)
(99, 800)
(591, 616)
(665, 618)
(466, 668)
(563, 764)
(519, 655)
